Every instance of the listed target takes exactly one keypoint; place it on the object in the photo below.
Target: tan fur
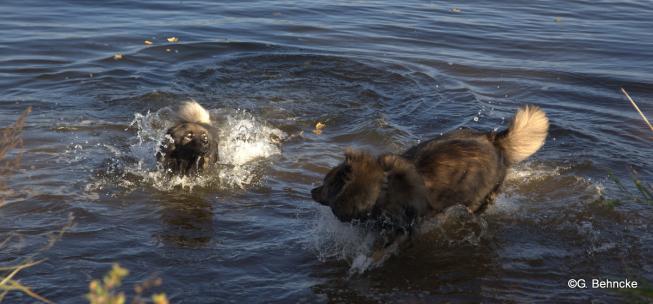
(526, 134)
(191, 111)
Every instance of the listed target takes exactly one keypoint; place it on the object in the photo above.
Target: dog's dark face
(190, 146)
(352, 188)
(332, 185)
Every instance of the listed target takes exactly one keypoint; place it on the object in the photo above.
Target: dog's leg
(481, 206)
(383, 248)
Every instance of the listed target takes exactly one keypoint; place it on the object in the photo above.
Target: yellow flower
(160, 299)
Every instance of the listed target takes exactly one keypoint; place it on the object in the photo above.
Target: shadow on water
(186, 220)
(432, 269)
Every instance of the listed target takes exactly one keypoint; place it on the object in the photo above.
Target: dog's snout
(316, 194)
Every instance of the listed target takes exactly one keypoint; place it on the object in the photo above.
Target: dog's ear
(395, 162)
(387, 161)
(351, 157)
(354, 156)
(350, 154)
(357, 156)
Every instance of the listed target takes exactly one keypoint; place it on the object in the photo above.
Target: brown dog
(191, 145)
(462, 167)
(364, 187)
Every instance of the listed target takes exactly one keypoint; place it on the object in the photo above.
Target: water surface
(382, 76)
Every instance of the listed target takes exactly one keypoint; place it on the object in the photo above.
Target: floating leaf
(319, 126)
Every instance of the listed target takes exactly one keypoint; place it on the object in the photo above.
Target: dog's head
(190, 140)
(188, 145)
(352, 188)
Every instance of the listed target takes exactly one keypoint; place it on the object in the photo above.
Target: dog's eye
(205, 138)
(189, 135)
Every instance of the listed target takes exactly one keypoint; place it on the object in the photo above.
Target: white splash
(529, 171)
(332, 239)
(243, 140)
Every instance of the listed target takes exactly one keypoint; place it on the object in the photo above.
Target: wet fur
(366, 187)
(191, 145)
(462, 167)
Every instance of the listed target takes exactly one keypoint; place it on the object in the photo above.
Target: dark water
(382, 75)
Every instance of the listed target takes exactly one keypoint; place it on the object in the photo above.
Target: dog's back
(463, 167)
(468, 167)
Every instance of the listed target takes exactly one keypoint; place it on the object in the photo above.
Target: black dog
(462, 167)
(191, 145)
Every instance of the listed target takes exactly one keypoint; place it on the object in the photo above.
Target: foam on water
(529, 171)
(354, 243)
(244, 140)
(553, 195)
(334, 240)
(554, 185)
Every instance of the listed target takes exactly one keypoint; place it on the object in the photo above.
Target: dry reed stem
(15, 285)
(9, 139)
(18, 269)
(637, 108)
(10, 136)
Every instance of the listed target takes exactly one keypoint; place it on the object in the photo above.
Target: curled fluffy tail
(191, 111)
(525, 135)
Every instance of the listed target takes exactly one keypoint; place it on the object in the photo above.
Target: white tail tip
(526, 134)
(191, 111)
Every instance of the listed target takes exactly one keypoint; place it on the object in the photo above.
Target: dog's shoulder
(405, 197)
